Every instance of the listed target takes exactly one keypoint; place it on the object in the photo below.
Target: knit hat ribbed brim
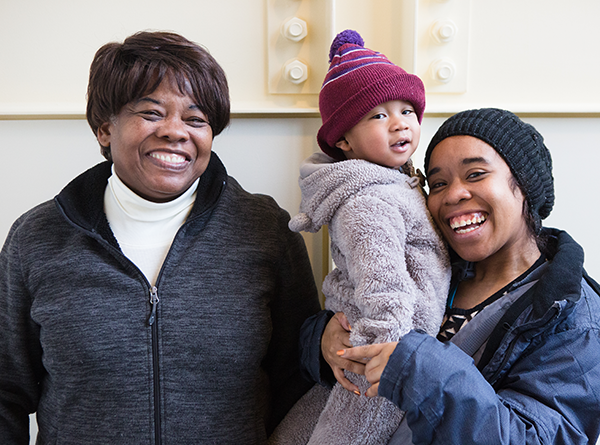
(519, 144)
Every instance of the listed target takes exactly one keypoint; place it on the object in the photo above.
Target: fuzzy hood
(326, 184)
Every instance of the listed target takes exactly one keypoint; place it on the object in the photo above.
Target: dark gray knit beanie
(519, 144)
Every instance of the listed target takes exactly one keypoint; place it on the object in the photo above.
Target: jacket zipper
(155, 364)
(153, 302)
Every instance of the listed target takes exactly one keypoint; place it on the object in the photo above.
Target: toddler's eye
(379, 116)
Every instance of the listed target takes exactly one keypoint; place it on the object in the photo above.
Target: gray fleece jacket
(392, 274)
(208, 356)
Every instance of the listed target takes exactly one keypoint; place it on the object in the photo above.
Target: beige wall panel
(531, 56)
(536, 56)
(47, 47)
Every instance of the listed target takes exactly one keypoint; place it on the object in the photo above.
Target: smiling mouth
(467, 223)
(401, 146)
(170, 158)
(401, 143)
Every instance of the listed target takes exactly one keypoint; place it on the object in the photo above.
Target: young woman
(517, 359)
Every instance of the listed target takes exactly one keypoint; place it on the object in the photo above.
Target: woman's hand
(376, 357)
(336, 338)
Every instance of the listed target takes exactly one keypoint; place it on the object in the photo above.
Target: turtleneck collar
(139, 209)
(145, 230)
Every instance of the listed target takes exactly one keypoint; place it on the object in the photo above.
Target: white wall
(41, 156)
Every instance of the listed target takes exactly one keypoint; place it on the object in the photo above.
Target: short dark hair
(123, 72)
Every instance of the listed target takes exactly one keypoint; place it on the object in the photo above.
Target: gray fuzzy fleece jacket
(209, 356)
(392, 275)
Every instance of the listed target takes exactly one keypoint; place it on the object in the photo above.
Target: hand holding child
(376, 357)
(336, 337)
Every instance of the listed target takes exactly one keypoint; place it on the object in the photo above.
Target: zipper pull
(153, 301)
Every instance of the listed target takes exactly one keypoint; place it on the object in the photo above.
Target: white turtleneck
(145, 230)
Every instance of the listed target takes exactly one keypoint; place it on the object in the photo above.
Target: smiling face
(387, 135)
(160, 144)
(474, 202)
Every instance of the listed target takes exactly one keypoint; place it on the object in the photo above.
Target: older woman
(154, 300)
(517, 359)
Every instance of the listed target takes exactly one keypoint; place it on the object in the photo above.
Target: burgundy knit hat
(358, 80)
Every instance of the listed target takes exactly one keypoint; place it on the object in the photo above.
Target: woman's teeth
(466, 224)
(171, 158)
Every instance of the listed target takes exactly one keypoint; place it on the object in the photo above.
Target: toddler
(392, 268)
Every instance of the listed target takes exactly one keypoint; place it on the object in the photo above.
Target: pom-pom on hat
(518, 143)
(358, 80)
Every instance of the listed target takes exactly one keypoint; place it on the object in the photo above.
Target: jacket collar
(82, 200)
(562, 278)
